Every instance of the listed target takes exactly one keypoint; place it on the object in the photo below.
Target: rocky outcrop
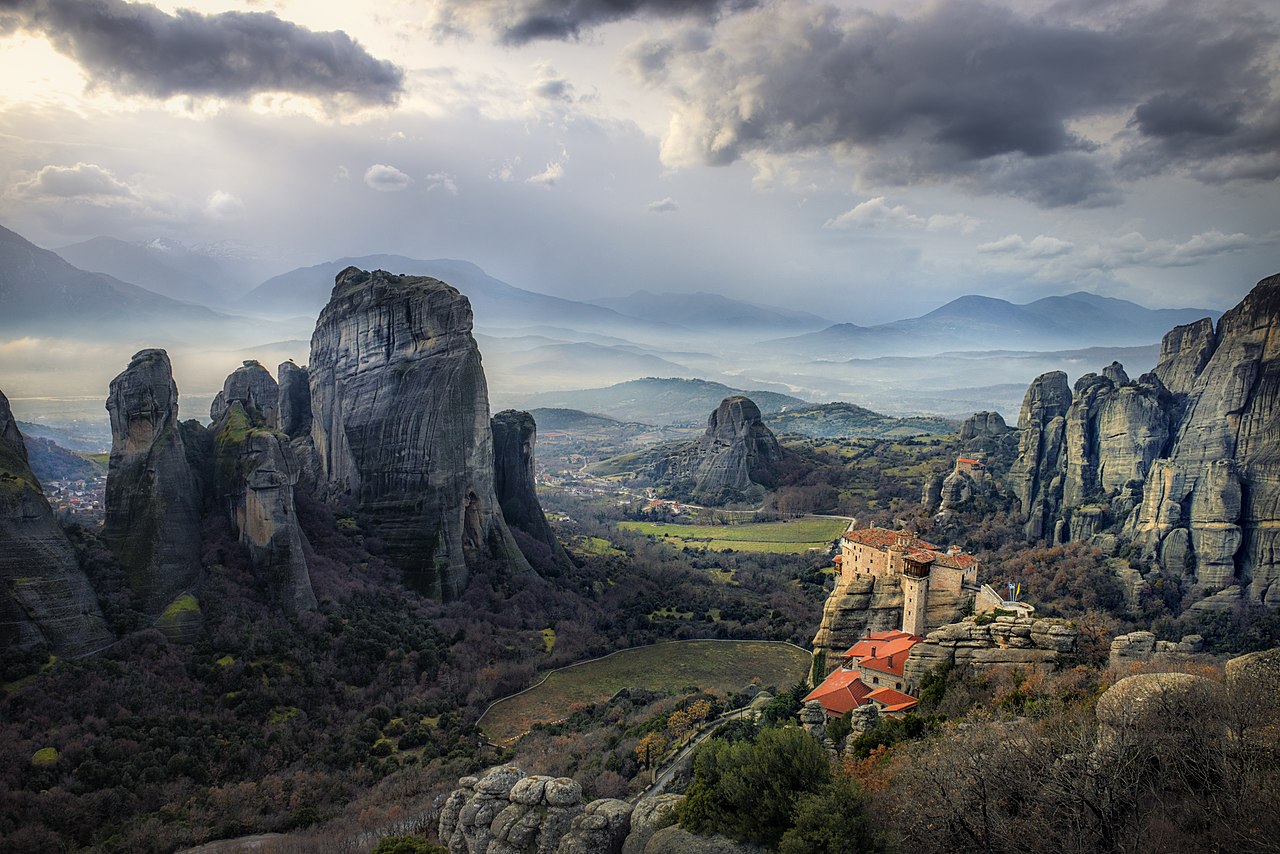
(650, 815)
(256, 474)
(1142, 647)
(1156, 702)
(983, 425)
(255, 388)
(44, 595)
(293, 412)
(1184, 463)
(400, 425)
(506, 811)
(734, 462)
(674, 840)
(154, 502)
(514, 436)
(1026, 642)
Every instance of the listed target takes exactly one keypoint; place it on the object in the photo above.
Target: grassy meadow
(708, 665)
(796, 536)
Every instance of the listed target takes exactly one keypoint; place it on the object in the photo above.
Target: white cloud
(386, 179)
(877, 213)
(223, 206)
(1040, 246)
(84, 181)
(664, 205)
(549, 176)
(443, 181)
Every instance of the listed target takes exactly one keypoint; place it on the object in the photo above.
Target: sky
(865, 161)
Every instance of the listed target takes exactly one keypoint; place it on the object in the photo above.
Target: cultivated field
(793, 537)
(708, 665)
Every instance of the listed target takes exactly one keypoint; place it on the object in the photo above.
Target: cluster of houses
(83, 501)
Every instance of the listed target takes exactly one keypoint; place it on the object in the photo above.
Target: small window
(875, 680)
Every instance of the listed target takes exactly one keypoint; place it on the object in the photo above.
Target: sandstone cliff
(44, 595)
(514, 437)
(154, 502)
(256, 474)
(400, 425)
(1184, 463)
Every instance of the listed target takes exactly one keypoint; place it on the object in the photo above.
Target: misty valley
(312, 616)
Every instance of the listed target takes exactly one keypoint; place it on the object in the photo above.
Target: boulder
(649, 816)
(601, 828)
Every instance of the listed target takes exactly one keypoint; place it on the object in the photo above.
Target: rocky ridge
(1026, 642)
(1183, 463)
(400, 425)
(45, 596)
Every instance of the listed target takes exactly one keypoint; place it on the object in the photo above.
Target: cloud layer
(1059, 107)
(518, 22)
(137, 49)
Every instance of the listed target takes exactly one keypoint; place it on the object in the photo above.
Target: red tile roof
(840, 692)
(969, 461)
(882, 538)
(891, 700)
(960, 561)
(890, 651)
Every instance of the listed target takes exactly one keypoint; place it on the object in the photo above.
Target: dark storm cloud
(521, 21)
(978, 92)
(135, 48)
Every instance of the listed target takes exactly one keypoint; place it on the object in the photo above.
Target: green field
(715, 666)
(794, 537)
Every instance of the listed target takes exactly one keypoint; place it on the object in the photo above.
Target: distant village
(82, 501)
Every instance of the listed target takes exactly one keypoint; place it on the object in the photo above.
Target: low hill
(576, 419)
(848, 421)
(50, 462)
(659, 401)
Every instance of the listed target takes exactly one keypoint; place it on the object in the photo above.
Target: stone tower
(915, 591)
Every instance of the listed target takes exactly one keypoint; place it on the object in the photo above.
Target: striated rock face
(1036, 477)
(44, 595)
(509, 811)
(255, 478)
(153, 502)
(514, 435)
(733, 462)
(400, 424)
(294, 409)
(1184, 463)
(738, 453)
(983, 425)
(1141, 647)
(1023, 641)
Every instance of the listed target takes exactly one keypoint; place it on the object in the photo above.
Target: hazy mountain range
(70, 330)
